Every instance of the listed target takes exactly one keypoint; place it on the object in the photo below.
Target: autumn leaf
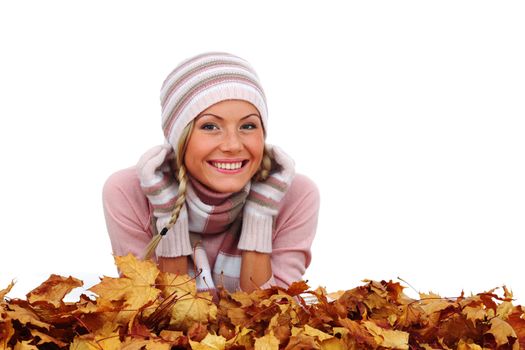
(46, 338)
(6, 329)
(517, 321)
(53, 290)
(386, 338)
(501, 331)
(190, 307)
(24, 345)
(90, 342)
(312, 332)
(4, 292)
(146, 309)
(268, 342)
(136, 287)
(468, 345)
(211, 342)
(26, 316)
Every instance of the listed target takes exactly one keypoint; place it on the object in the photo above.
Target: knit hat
(203, 80)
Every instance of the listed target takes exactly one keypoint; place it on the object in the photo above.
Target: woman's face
(226, 145)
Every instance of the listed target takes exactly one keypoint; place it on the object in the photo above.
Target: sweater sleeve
(127, 213)
(295, 229)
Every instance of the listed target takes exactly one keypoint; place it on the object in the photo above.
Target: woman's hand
(178, 265)
(256, 269)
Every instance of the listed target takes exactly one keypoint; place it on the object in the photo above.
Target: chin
(228, 187)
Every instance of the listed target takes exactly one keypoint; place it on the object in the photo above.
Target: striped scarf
(239, 219)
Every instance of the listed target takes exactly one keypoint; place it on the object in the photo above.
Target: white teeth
(228, 166)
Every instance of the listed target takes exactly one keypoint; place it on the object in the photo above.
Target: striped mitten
(262, 205)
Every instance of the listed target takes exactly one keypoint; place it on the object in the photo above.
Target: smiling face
(226, 145)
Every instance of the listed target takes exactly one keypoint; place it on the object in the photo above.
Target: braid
(181, 195)
(181, 173)
(266, 166)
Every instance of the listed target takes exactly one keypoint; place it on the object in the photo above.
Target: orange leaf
(53, 290)
(4, 292)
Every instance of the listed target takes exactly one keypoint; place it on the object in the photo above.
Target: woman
(215, 200)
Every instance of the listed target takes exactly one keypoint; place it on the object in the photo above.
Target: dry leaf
(53, 290)
(268, 342)
(146, 309)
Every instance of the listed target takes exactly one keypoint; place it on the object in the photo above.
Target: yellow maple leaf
(431, 303)
(387, 338)
(137, 286)
(210, 342)
(243, 337)
(189, 307)
(474, 314)
(268, 342)
(90, 342)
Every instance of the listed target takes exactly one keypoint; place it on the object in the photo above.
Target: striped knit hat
(201, 81)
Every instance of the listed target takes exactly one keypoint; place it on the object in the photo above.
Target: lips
(228, 165)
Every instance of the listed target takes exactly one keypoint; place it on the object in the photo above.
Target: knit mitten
(158, 184)
(262, 205)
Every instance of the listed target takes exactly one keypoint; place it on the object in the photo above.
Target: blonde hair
(262, 174)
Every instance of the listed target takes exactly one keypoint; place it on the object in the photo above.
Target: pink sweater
(129, 220)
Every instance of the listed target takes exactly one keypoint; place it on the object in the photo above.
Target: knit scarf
(209, 213)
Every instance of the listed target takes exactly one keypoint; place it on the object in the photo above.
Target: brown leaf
(358, 332)
(6, 330)
(171, 336)
(387, 338)
(53, 290)
(4, 292)
(45, 338)
(26, 317)
(517, 321)
(297, 288)
(301, 342)
(197, 332)
(501, 331)
(312, 332)
(24, 345)
(90, 342)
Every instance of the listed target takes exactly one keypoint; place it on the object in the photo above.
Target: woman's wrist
(177, 265)
(256, 269)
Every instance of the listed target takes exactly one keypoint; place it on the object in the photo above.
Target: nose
(231, 143)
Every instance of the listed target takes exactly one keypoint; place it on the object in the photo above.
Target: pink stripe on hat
(203, 80)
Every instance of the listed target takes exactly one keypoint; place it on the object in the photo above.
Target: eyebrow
(219, 117)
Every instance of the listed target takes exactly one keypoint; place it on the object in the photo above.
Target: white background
(409, 116)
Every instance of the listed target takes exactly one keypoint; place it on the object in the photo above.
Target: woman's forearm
(178, 265)
(256, 269)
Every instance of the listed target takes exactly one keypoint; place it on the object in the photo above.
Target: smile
(228, 166)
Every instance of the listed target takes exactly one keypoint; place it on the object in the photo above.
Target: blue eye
(249, 126)
(209, 126)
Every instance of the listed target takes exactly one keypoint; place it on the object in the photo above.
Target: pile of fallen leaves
(148, 309)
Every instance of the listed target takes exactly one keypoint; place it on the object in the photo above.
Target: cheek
(257, 150)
